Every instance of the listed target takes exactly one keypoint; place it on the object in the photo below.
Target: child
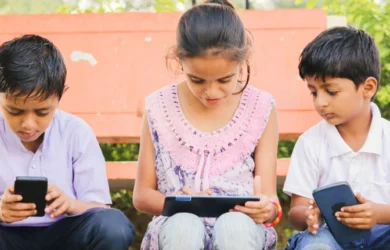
(199, 136)
(36, 139)
(342, 69)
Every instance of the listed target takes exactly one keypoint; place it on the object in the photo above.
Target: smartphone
(33, 190)
(330, 199)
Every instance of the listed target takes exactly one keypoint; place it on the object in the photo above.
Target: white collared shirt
(322, 157)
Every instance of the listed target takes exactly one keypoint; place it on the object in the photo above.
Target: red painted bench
(115, 60)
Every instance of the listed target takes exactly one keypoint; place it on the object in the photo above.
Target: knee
(182, 231)
(235, 223)
(236, 230)
(184, 223)
(323, 240)
(113, 226)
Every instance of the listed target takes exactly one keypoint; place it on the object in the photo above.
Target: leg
(238, 231)
(97, 229)
(323, 240)
(378, 239)
(16, 238)
(182, 231)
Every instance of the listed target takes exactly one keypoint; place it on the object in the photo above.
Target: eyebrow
(228, 76)
(325, 84)
(18, 109)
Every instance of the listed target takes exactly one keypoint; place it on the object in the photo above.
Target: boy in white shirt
(341, 67)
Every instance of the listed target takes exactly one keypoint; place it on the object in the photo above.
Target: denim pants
(231, 231)
(97, 229)
(379, 239)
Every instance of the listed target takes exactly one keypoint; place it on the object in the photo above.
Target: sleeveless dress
(221, 160)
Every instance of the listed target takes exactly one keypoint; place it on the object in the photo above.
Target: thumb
(257, 186)
(360, 198)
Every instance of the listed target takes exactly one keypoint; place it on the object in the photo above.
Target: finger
(21, 213)
(358, 226)
(61, 209)
(354, 221)
(257, 204)
(11, 198)
(10, 189)
(55, 205)
(54, 193)
(21, 206)
(365, 214)
(249, 211)
(360, 198)
(205, 192)
(187, 190)
(355, 208)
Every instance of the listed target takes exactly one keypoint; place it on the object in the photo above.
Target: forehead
(27, 103)
(318, 82)
(210, 66)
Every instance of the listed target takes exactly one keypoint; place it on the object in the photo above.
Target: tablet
(330, 199)
(203, 206)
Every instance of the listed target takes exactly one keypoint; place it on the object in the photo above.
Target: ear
(370, 86)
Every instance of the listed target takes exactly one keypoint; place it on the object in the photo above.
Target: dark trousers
(97, 229)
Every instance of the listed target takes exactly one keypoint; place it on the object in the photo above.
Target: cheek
(196, 89)
(13, 122)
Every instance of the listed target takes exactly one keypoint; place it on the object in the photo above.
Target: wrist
(276, 216)
(71, 207)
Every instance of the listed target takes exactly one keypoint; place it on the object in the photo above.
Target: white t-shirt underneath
(322, 157)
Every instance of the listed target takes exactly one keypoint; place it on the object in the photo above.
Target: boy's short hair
(31, 65)
(343, 52)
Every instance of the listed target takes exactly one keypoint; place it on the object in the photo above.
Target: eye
(15, 113)
(332, 93)
(42, 114)
(313, 94)
(196, 80)
(225, 80)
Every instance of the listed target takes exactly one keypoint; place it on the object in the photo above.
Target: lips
(212, 101)
(27, 135)
(328, 115)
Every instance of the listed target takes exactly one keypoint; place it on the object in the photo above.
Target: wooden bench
(115, 60)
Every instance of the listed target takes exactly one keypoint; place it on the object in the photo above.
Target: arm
(266, 156)
(302, 178)
(146, 198)
(90, 182)
(265, 168)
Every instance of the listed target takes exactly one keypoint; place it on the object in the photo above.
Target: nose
(322, 100)
(28, 123)
(212, 90)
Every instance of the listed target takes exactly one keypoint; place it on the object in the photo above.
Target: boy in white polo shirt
(342, 69)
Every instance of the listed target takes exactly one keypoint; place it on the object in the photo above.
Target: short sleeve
(303, 173)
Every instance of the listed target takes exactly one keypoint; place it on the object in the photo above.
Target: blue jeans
(97, 229)
(232, 231)
(324, 240)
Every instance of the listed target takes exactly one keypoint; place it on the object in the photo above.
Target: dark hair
(213, 28)
(343, 52)
(31, 65)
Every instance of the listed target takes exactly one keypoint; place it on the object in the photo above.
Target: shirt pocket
(379, 192)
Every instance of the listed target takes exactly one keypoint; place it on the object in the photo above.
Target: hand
(362, 216)
(188, 191)
(59, 202)
(313, 217)
(260, 211)
(12, 210)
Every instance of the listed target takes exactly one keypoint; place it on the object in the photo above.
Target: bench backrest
(115, 60)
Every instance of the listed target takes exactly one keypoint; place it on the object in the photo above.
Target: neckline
(233, 120)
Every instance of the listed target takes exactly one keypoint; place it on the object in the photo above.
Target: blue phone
(330, 199)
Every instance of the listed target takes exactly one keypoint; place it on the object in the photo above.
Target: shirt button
(34, 166)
